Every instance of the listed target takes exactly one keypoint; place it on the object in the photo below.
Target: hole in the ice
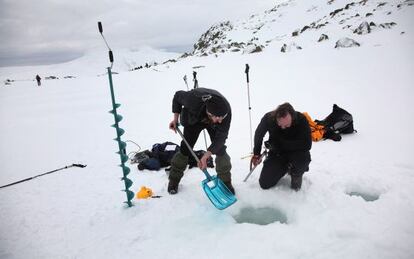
(260, 216)
(365, 196)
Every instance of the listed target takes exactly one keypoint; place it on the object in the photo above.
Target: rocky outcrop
(323, 37)
(213, 36)
(290, 47)
(363, 28)
(346, 43)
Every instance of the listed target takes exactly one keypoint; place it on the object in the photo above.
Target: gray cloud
(48, 31)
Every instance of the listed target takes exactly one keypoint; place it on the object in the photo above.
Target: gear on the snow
(144, 193)
(339, 121)
(317, 131)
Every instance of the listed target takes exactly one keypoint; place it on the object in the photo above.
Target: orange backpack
(317, 131)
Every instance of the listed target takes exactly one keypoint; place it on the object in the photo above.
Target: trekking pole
(252, 169)
(250, 108)
(119, 131)
(185, 80)
(33, 177)
(195, 79)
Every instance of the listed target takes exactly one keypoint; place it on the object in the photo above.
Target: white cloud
(48, 31)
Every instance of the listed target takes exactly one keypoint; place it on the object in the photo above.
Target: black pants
(276, 166)
(191, 134)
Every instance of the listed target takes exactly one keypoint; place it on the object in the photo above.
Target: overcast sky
(50, 31)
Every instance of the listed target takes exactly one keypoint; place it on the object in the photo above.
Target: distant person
(38, 78)
(200, 109)
(289, 146)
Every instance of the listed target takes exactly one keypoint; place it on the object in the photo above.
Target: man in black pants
(289, 144)
(199, 109)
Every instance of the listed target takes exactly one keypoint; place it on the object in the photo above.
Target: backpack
(317, 130)
(164, 152)
(159, 156)
(338, 122)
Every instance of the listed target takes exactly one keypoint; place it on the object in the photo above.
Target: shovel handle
(192, 152)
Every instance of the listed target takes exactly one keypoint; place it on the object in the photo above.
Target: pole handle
(111, 56)
(100, 27)
(247, 72)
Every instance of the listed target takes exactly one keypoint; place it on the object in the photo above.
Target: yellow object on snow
(144, 193)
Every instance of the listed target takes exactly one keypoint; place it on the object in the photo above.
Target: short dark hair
(282, 110)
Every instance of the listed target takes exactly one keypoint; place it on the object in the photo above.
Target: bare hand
(203, 161)
(256, 159)
(173, 126)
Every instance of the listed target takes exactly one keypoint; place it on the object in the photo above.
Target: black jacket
(295, 138)
(192, 110)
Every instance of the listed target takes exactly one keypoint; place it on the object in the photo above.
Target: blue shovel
(215, 189)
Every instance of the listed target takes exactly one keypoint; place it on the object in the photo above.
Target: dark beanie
(217, 106)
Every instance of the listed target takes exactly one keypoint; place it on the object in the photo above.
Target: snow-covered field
(79, 213)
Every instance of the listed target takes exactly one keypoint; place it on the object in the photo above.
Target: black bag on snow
(164, 152)
(338, 122)
(159, 156)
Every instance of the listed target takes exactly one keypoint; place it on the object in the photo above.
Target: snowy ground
(78, 213)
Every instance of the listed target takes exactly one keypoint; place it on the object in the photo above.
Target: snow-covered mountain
(294, 25)
(90, 64)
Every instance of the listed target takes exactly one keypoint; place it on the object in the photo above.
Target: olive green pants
(179, 164)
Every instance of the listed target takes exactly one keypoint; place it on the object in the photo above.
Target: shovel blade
(218, 193)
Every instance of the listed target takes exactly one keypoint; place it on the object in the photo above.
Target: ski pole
(250, 108)
(195, 79)
(33, 177)
(252, 169)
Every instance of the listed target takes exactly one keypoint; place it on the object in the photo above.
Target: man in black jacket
(199, 109)
(289, 144)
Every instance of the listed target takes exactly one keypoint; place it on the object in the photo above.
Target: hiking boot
(230, 187)
(172, 187)
(296, 182)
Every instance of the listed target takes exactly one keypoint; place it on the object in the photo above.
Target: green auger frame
(119, 132)
(121, 144)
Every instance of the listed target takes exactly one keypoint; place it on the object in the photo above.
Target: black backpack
(338, 122)
(164, 152)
